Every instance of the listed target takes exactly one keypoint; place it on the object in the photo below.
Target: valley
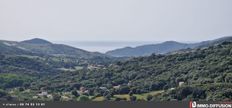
(40, 70)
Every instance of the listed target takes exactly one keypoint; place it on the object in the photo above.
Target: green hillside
(197, 74)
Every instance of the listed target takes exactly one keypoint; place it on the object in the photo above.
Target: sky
(115, 20)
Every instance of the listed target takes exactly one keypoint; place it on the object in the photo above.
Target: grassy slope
(127, 96)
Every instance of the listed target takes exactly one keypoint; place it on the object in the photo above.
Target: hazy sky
(126, 20)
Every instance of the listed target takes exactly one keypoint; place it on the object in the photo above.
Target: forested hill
(162, 48)
(41, 56)
(40, 46)
(146, 50)
(206, 73)
(197, 74)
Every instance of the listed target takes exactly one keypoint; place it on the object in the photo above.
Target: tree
(21, 89)
(56, 97)
(124, 90)
(2, 93)
(117, 99)
(108, 95)
(184, 92)
(228, 94)
(133, 98)
(149, 97)
(83, 98)
(75, 93)
(76, 86)
(228, 78)
(130, 93)
(199, 94)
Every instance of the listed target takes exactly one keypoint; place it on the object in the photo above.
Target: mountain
(204, 72)
(8, 47)
(201, 74)
(162, 48)
(40, 46)
(41, 56)
(213, 42)
(36, 41)
(146, 50)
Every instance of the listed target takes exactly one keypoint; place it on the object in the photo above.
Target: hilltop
(36, 41)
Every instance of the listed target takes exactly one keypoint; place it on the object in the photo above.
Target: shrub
(83, 98)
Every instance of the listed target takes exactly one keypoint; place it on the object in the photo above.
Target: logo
(192, 104)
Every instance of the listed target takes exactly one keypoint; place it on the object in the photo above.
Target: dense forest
(203, 73)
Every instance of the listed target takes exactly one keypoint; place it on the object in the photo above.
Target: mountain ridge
(162, 48)
(41, 46)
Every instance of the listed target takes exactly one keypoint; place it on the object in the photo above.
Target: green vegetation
(196, 74)
(13, 80)
(83, 98)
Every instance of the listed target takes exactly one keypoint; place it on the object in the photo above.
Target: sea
(103, 46)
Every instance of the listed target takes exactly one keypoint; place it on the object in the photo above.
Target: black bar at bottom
(106, 104)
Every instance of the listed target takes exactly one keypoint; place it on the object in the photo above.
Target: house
(50, 96)
(181, 83)
(172, 89)
(103, 88)
(83, 90)
(117, 87)
(35, 97)
(86, 91)
(92, 67)
(44, 93)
